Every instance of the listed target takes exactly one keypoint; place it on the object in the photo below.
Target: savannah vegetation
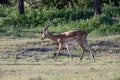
(24, 57)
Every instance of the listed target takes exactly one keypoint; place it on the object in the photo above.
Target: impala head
(45, 32)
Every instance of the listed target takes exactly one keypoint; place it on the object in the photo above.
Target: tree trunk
(20, 4)
(97, 7)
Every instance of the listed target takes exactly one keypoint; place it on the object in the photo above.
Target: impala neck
(52, 37)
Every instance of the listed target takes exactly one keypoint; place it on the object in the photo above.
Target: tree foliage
(59, 4)
(5, 2)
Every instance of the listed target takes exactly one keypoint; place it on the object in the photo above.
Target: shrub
(11, 23)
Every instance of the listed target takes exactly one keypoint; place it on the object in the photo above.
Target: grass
(29, 59)
(105, 68)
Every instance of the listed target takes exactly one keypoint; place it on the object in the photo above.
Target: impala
(68, 38)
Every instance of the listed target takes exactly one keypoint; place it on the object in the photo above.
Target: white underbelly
(74, 42)
(70, 41)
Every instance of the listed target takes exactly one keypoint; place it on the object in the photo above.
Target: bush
(13, 24)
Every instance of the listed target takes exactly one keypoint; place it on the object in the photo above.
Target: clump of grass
(38, 78)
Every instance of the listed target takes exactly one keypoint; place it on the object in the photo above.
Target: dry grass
(41, 67)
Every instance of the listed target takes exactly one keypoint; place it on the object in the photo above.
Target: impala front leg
(71, 58)
(60, 47)
(83, 50)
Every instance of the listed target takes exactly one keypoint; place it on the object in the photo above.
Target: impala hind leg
(89, 49)
(68, 50)
(59, 49)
